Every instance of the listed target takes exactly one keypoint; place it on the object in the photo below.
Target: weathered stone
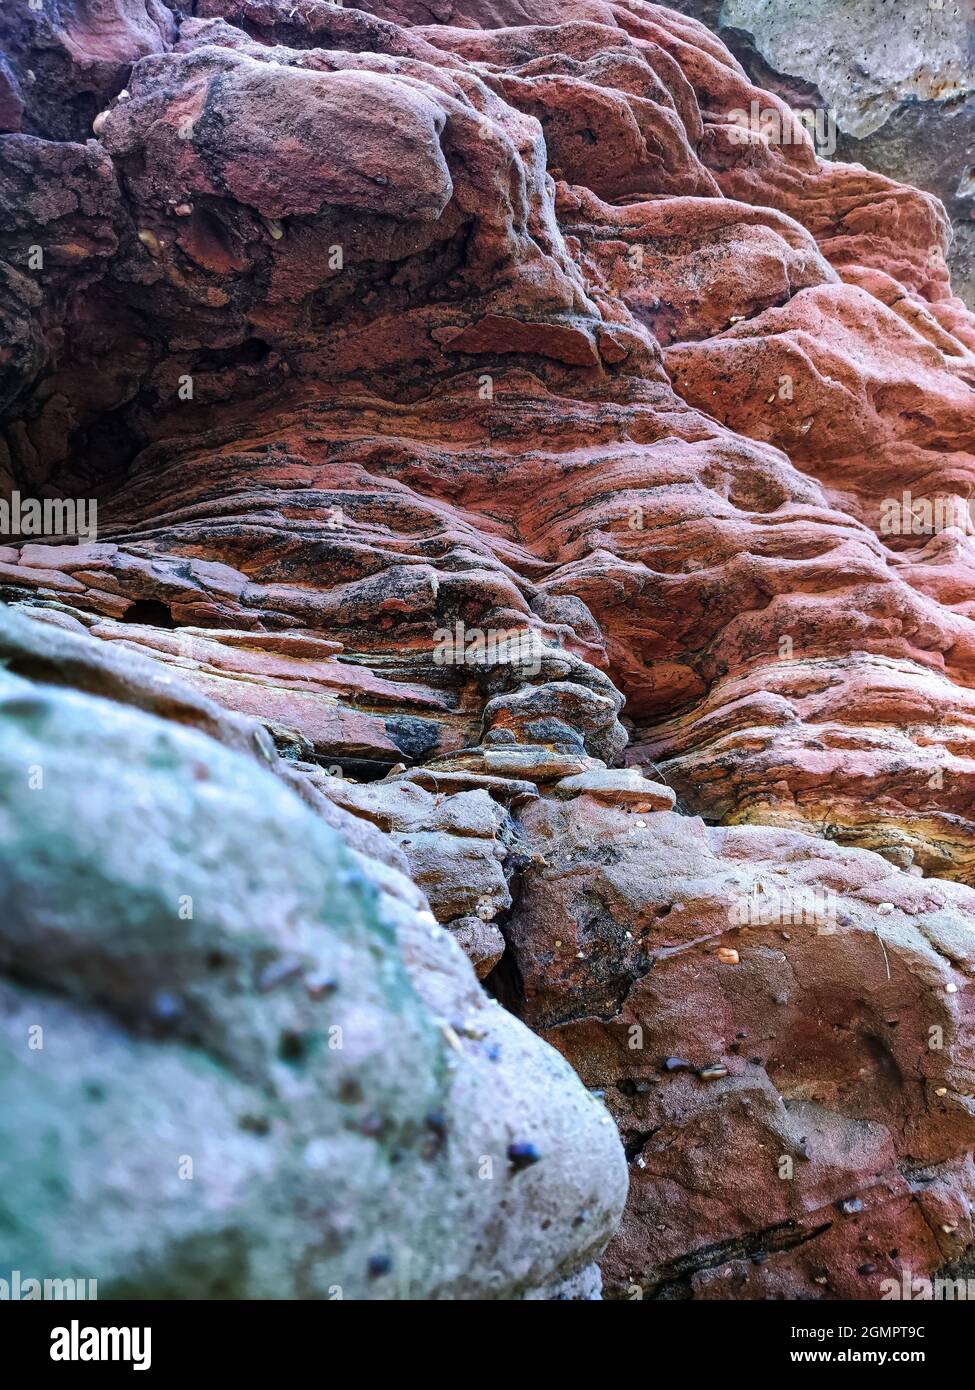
(481, 942)
(830, 1061)
(446, 375)
(625, 787)
(896, 96)
(232, 1067)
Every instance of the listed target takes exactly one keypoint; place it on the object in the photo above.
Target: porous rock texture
(262, 1070)
(369, 325)
(896, 78)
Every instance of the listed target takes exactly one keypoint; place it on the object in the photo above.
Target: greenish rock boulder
(238, 1056)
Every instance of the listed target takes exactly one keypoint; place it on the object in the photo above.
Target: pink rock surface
(363, 324)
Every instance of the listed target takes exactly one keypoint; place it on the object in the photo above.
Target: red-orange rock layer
(366, 323)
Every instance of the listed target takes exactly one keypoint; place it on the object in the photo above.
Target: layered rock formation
(891, 84)
(472, 403)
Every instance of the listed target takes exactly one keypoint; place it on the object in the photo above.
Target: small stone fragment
(278, 972)
(676, 1064)
(319, 986)
(522, 1155)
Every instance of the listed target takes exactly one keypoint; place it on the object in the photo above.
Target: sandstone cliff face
(571, 489)
(891, 81)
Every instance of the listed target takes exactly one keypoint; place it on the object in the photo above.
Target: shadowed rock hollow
(374, 330)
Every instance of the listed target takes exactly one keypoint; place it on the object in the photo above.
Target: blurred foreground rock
(238, 1058)
(514, 465)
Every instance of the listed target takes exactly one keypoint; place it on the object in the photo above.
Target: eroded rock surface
(468, 404)
(240, 1059)
(895, 82)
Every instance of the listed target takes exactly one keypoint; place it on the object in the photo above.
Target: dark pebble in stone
(676, 1064)
(522, 1155)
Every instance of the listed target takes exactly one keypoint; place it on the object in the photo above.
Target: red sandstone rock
(366, 324)
(66, 58)
(845, 981)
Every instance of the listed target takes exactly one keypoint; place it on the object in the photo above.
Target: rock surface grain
(533, 523)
